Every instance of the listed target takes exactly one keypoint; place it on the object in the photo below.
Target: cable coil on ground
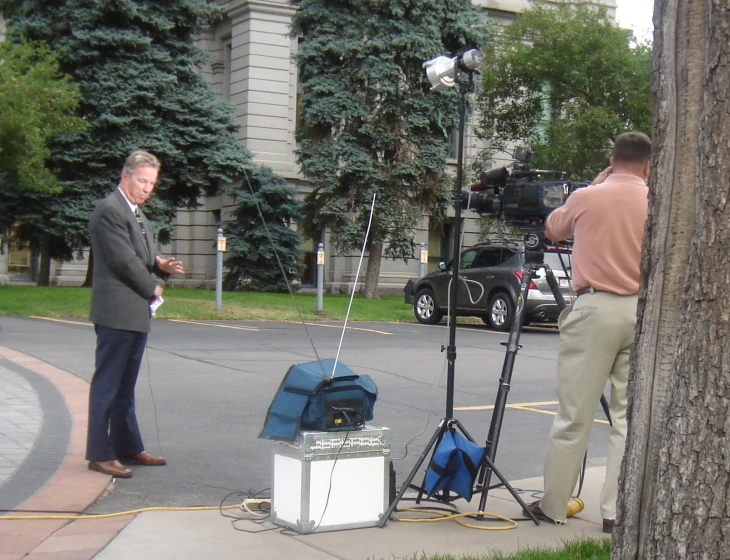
(442, 515)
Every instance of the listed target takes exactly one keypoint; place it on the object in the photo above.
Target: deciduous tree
(37, 103)
(565, 80)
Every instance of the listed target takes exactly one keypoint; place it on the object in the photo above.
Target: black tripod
(533, 261)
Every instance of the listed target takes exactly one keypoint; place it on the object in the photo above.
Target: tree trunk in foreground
(674, 498)
(375, 256)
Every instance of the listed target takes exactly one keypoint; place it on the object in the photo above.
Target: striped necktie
(140, 221)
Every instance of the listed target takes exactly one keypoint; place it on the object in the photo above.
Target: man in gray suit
(124, 258)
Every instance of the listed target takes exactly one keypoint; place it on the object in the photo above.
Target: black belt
(584, 291)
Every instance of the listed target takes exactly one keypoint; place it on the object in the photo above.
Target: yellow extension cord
(440, 516)
(82, 516)
(443, 516)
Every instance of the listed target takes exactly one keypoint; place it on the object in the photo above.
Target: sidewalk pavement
(42, 468)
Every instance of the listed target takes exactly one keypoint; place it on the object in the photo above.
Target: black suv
(490, 276)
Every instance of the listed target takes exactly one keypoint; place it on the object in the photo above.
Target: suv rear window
(553, 259)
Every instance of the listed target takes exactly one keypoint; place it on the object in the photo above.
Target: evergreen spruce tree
(137, 67)
(252, 263)
(368, 122)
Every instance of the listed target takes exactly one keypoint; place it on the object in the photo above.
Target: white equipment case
(327, 481)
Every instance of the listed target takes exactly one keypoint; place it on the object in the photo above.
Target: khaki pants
(596, 334)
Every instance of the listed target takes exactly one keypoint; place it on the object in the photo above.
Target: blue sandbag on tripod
(454, 465)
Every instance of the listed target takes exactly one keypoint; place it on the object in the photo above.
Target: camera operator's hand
(602, 176)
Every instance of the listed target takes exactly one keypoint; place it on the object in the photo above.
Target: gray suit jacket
(124, 259)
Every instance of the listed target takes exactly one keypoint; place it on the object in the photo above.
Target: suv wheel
(501, 312)
(426, 309)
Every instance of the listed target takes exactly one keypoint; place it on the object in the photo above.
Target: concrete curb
(71, 488)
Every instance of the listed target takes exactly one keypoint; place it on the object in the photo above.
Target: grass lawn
(200, 304)
(580, 549)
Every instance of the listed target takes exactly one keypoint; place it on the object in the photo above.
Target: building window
(308, 273)
(453, 140)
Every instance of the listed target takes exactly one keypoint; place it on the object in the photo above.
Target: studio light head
(442, 70)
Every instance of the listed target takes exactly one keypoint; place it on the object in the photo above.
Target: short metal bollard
(220, 249)
(423, 261)
(320, 277)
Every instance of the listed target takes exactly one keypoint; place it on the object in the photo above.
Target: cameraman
(597, 329)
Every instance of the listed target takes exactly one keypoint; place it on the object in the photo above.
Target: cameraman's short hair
(140, 159)
(632, 147)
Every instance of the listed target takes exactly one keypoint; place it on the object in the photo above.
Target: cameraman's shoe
(534, 508)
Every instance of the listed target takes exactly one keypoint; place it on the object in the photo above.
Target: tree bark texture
(375, 256)
(674, 500)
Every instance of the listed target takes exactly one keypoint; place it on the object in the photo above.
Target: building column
(263, 81)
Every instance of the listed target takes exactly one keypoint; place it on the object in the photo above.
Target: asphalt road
(205, 387)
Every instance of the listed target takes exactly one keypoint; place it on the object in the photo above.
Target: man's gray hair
(140, 158)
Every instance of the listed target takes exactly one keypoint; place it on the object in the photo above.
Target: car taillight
(518, 273)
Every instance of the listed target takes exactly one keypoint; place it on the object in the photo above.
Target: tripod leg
(513, 346)
(554, 288)
(511, 490)
(437, 435)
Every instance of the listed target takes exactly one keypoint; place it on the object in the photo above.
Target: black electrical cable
(235, 519)
(157, 434)
(332, 472)
(283, 271)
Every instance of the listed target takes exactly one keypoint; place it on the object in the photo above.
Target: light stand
(443, 73)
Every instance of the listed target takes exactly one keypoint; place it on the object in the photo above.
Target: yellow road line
(60, 321)
(234, 327)
(349, 328)
(490, 407)
(524, 406)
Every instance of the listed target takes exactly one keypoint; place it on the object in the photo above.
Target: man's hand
(170, 266)
(602, 176)
(158, 292)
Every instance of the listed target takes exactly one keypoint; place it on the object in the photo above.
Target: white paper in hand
(155, 303)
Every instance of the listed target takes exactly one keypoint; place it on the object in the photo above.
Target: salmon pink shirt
(607, 223)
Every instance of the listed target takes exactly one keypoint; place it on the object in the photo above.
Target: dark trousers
(113, 431)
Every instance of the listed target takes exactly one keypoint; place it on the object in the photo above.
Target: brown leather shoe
(112, 468)
(608, 525)
(146, 459)
(535, 509)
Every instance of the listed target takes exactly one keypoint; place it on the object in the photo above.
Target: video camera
(523, 197)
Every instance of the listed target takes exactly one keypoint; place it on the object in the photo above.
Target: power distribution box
(327, 481)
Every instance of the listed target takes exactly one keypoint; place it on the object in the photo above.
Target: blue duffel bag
(311, 398)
